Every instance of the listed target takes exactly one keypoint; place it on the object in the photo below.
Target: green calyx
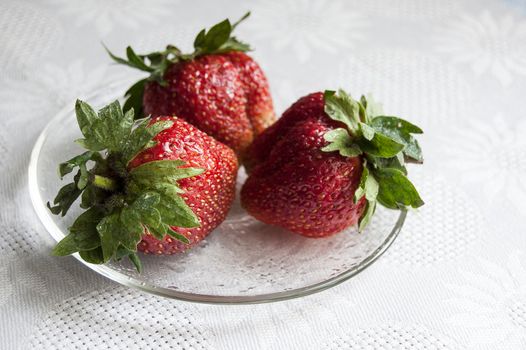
(120, 204)
(385, 144)
(218, 39)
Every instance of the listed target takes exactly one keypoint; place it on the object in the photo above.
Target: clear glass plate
(242, 261)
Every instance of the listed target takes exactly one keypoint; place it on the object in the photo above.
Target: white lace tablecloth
(454, 279)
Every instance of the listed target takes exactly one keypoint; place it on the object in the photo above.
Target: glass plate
(243, 261)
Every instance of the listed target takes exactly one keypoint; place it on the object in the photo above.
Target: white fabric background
(454, 279)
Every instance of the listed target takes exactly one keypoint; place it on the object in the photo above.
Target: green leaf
(84, 229)
(131, 239)
(131, 220)
(367, 131)
(368, 186)
(200, 39)
(68, 166)
(65, 247)
(380, 146)
(177, 235)
(126, 227)
(133, 60)
(108, 129)
(215, 37)
(239, 21)
(113, 127)
(400, 130)
(141, 137)
(175, 212)
(159, 61)
(233, 44)
(146, 201)
(143, 209)
(163, 229)
(341, 141)
(173, 209)
(363, 115)
(94, 256)
(86, 115)
(395, 190)
(151, 217)
(109, 230)
(396, 162)
(171, 49)
(218, 39)
(384, 143)
(341, 107)
(83, 178)
(120, 253)
(86, 118)
(66, 196)
(134, 258)
(413, 151)
(365, 219)
(136, 61)
(150, 173)
(167, 188)
(112, 233)
(360, 191)
(87, 198)
(159, 231)
(371, 188)
(161, 177)
(116, 58)
(134, 96)
(363, 101)
(386, 122)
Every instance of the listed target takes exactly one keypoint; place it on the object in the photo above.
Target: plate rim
(44, 217)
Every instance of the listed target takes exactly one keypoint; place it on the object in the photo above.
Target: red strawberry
(298, 181)
(218, 88)
(160, 186)
(208, 195)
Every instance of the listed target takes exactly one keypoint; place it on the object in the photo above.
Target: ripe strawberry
(217, 88)
(159, 187)
(209, 195)
(298, 181)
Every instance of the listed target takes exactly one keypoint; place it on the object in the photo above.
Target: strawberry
(158, 186)
(218, 88)
(324, 165)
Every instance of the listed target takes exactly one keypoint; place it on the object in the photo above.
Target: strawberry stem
(104, 182)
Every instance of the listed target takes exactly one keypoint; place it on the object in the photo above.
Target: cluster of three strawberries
(162, 183)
